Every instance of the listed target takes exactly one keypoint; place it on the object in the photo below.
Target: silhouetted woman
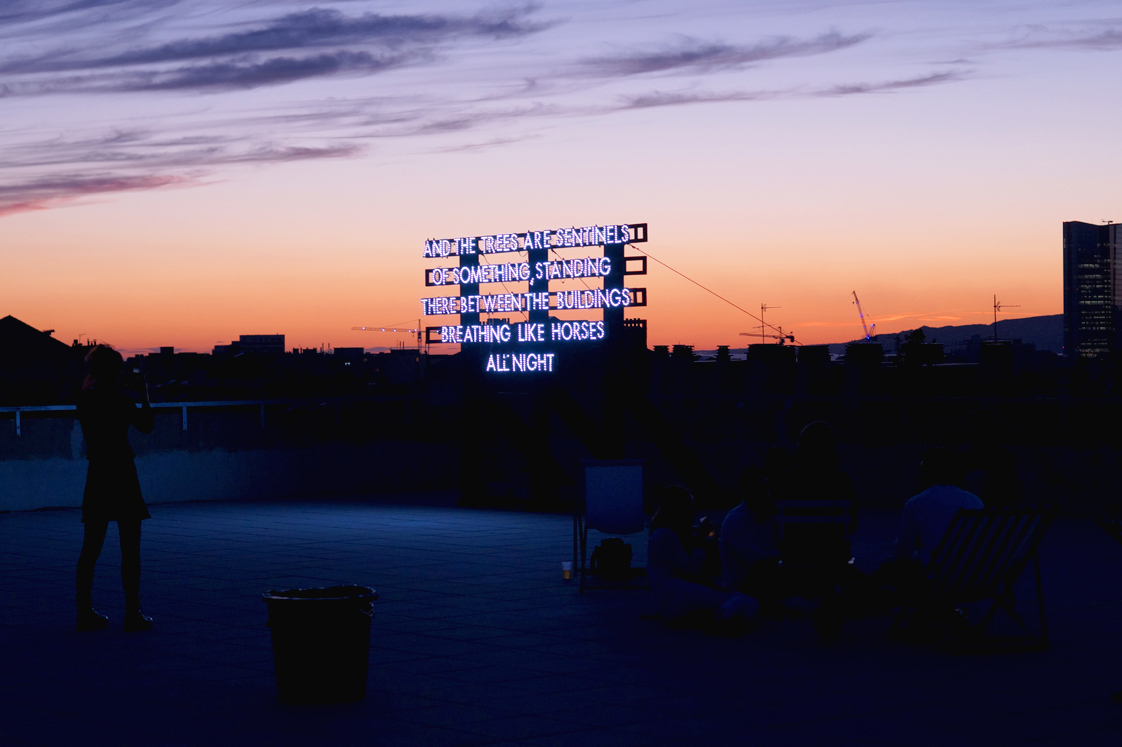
(112, 493)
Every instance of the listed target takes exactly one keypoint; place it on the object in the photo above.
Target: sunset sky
(179, 172)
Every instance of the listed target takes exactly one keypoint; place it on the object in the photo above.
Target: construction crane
(870, 329)
(998, 306)
(782, 338)
(393, 329)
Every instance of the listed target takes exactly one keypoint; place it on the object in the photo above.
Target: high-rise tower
(1092, 290)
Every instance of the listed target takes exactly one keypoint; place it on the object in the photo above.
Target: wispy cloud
(161, 151)
(655, 99)
(26, 11)
(41, 194)
(883, 319)
(667, 98)
(214, 76)
(312, 29)
(933, 79)
(136, 161)
(1078, 39)
(474, 147)
(313, 43)
(698, 56)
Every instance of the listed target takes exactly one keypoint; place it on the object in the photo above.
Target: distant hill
(1045, 332)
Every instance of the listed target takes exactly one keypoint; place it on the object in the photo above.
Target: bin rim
(357, 594)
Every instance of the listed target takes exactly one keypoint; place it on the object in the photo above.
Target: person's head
(104, 365)
(818, 447)
(940, 467)
(675, 511)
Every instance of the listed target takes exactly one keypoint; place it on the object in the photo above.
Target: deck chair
(1113, 527)
(610, 502)
(981, 556)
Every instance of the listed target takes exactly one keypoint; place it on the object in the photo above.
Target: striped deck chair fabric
(982, 554)
(1113, 527)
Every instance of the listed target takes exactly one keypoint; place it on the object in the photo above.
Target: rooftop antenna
(764, 307)
(998, 306)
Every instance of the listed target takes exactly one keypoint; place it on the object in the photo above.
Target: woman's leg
(88, 619)
(91, 549)
(129, 531)
(135, 619)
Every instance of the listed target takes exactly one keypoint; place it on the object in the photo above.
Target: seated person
(679, 591)
(749, 538)
(927, 515)
(924, 521)
(813, 494)
(818, 513)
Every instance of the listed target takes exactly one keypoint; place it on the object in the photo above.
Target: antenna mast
(763, 328)
(998, 306)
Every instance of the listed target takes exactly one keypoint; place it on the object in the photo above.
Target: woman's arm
(142, 419)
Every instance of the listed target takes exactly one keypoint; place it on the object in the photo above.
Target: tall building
(1092, 289)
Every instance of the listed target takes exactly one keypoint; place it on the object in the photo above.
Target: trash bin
(321, 642)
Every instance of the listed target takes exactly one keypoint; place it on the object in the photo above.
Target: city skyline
(184, 172)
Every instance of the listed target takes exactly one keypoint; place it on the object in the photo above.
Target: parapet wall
(215, 474)
(401, 446)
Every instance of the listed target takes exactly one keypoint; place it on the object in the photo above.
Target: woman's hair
(675, 512)
(104, 363)
(818, 447)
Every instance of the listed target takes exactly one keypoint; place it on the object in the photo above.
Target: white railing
(183, 406)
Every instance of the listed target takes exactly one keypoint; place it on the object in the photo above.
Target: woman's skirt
(113, 492)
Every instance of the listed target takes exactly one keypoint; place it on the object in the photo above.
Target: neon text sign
(621, 233)
(528, 346)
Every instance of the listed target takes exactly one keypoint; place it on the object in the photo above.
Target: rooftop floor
(478, 641)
